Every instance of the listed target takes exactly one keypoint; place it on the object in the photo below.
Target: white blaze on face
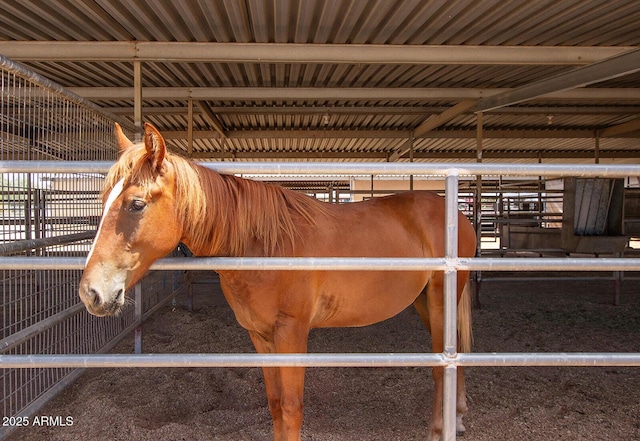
(115, 192)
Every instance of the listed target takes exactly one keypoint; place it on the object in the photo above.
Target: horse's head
(140, 222)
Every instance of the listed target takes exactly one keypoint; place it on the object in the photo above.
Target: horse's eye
(136, 206)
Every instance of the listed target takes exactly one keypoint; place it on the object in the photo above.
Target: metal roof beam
(390, 134)
(436, 121)
(521, 154)
(379, 110)
(339, 94)
(620, 129)
(211, 118)
(303, 53)
(435, 155)
(613, 67)
(433, 122)
(401, 150)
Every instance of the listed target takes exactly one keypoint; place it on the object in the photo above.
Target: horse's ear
(123, 142)
(154, 143)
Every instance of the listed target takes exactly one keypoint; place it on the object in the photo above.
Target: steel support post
(137, 97)
(450, 308)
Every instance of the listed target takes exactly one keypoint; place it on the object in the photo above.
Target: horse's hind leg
(430, 307)
(461, 402)
(424, 305)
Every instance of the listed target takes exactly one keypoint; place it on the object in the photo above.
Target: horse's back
(409, 224)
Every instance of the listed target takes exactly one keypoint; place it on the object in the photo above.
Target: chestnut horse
(154, 200)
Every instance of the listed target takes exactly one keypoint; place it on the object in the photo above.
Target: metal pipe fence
(450, 263)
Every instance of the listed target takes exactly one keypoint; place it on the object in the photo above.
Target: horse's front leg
(284, 386)
(290, 337)
(271, 383)
(291, 403)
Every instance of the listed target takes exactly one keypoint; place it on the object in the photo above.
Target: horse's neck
(239, 222)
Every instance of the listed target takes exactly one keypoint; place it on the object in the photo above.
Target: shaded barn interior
(526, 83)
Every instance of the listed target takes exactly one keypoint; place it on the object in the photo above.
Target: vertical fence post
(450, 307)
(138, 319)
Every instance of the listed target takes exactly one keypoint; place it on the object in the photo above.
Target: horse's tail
(465, 333)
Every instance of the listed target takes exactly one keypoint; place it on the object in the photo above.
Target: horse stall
(541, 368)
(571, 216)
(53, 216)
(589, 219)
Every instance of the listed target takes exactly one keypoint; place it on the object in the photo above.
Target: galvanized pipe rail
(350, 169)
(32, 244)
(450, 263)
(192, 360)
(348, 263)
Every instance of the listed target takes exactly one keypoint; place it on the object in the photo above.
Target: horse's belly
(363, 298)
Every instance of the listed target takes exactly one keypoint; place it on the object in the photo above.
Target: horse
(153, 200)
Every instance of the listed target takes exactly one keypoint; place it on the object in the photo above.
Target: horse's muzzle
(102, 302)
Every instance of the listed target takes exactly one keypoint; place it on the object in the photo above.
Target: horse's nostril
(120, 296)
(94, 296)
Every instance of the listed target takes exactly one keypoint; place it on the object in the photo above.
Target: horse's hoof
(460, 429)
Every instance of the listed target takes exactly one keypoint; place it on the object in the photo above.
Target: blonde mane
(223, 214)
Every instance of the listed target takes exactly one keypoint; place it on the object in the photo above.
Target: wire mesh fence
(45, 215)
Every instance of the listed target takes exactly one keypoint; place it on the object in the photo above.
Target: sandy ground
(349, 404)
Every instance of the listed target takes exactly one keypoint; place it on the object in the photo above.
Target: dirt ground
(349, 404)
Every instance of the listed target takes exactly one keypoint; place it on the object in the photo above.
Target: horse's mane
(223, 214)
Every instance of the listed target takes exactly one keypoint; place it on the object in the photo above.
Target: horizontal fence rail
(347, 263)
(321, 168)
(319, 360)
(30, 244)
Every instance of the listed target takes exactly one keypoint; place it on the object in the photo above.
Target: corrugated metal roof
(339, 109)
(435, 22)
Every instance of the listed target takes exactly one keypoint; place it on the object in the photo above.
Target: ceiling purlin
(620, 65)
